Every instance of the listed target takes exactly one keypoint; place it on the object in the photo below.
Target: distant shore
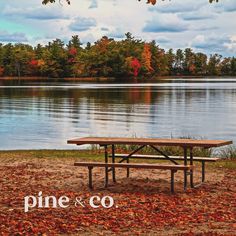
(82, 79)
(101, 79)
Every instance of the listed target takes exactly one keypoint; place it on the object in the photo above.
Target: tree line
(110, 58)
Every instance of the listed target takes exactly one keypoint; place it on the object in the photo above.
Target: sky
(208, 28)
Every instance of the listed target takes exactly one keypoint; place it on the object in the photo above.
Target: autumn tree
(146, 58)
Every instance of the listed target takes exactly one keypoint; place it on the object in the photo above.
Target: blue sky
(209, 28)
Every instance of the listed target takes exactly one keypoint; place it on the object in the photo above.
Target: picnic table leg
(185, 171)
(127, 160)
(106, 168)
(191, 171)
(90, 177)
(172, 188)
(113, 161)
(203, 171)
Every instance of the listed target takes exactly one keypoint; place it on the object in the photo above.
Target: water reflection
(42, 116)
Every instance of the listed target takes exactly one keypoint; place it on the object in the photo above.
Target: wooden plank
(134, 165)
(150, 141)
(157, 157)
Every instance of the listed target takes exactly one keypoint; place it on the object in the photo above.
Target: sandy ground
(144, 204)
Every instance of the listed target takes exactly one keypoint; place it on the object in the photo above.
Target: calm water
(40, 115)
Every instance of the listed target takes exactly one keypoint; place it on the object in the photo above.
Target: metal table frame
(107, 170)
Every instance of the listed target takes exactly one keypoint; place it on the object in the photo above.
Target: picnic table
(155, 143)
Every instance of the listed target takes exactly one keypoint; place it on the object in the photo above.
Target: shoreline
(103, 79)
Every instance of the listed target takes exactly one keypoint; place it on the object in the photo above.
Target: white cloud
(117, 33)
(199, 15)
(87, 38)
(224, 45)
(36, 13)
(177, 7)
(12, 37)
(165, 23)
(226, 6)
(231, 45)
(82, 24)
(94, 4)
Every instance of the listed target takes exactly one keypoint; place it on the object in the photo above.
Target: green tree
(233, 66)
(200, 63)
(226, 66)
(214, 64)
(189, 62)
(170, 61)
(179, 61)
(56, 58)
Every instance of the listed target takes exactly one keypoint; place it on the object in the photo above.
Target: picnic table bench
(172, 168)
(203, 160)
(186, 144)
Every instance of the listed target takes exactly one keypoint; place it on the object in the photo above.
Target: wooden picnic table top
(150, 141)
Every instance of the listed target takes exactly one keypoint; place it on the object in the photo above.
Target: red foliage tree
(33, 62)
(72, 51)
(135, 64)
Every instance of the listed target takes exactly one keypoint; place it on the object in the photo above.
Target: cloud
(82, 24)
(226, 6)
(208, 45)
(191, 16)
(117, 33)
(204, 28)
(94, 4)
(177, 7)
(162, 40)
(12, 37)
(165, 23)
(231, 45)
(87, 38)
(38, 13)
(225, 45)
(104, 29)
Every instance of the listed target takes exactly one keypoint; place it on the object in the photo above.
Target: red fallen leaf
(208, 204)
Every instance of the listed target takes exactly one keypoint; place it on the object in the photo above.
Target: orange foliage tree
(147, 57)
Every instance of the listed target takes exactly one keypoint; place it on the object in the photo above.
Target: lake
(40, 115)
